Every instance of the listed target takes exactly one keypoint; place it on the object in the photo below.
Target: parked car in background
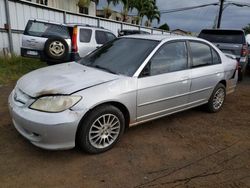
(128, 81)
(125, 32)
(248, 43)
(230, 42)
(57, 43)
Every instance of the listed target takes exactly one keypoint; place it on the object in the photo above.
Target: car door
(164, 83)
(86, 43)
(207, 71)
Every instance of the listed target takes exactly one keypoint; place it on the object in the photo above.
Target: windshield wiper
(103, 68)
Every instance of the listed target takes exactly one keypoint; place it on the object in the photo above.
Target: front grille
(21, 97)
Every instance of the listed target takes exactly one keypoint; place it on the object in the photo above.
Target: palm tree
(153, 13)
(127, 6)
(143, 6)
(114, 2)
(107, 10)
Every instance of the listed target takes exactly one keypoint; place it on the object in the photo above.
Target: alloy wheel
(104, 131)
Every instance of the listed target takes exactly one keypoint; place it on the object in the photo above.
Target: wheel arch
(118, 105)
(224, 82)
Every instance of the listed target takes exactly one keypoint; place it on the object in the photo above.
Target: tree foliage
(145, 8)
(247, 29)
(164, 27)
(84, 3)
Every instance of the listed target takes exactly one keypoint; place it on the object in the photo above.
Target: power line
(187, 8)
(238, 3)
(204, 5)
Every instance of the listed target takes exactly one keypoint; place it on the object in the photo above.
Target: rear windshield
(223, 36)
(120, 56)
(43, 29)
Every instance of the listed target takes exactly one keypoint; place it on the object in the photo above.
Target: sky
(198, 19)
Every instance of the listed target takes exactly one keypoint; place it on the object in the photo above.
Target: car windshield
(223, 36)
(121, 56)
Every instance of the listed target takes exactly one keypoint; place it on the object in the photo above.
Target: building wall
(70, 5)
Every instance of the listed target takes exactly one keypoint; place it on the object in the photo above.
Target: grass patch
(11, 69)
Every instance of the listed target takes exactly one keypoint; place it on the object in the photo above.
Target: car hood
(64, 78)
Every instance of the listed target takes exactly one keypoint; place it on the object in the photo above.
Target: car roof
(84, 25)
(69, 24)
(161, 37)
(224, 29)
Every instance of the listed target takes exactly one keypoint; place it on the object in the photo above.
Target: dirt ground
(189, 149)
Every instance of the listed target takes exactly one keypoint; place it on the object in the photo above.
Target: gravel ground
(189, 149)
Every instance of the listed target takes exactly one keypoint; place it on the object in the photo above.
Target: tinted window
(110, 36)
(170, 57)
(40, 29)
(121, 56)
(216, 57)
(85, 35)
(101, 37)
(201, 54)
(223, 36)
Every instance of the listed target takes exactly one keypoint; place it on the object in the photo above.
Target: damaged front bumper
(52, 131)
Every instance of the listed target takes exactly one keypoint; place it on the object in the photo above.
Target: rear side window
(41, 29)
(201, 54)
(85, 35)
(100, 37)
(171, 57)
(223, 36)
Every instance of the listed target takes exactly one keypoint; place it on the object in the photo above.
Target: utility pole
(220, 13)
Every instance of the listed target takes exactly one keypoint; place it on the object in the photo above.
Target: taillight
(244, 51)
(74, 40)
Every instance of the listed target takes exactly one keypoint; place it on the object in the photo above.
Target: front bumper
(52, 131)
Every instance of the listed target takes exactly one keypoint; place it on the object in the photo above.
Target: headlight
(55, 103)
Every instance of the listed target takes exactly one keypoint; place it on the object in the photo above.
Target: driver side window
(170, 57)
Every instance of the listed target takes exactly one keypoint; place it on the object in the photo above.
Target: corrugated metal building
(69, 5)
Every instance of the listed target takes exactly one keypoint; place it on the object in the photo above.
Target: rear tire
(217, 99)
(100, 130)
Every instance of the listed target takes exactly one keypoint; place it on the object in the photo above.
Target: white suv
(56, 43)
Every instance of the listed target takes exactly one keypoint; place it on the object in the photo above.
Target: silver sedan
(126, 82)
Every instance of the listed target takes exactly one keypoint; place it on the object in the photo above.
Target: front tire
(101, 129)
(217, 99)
